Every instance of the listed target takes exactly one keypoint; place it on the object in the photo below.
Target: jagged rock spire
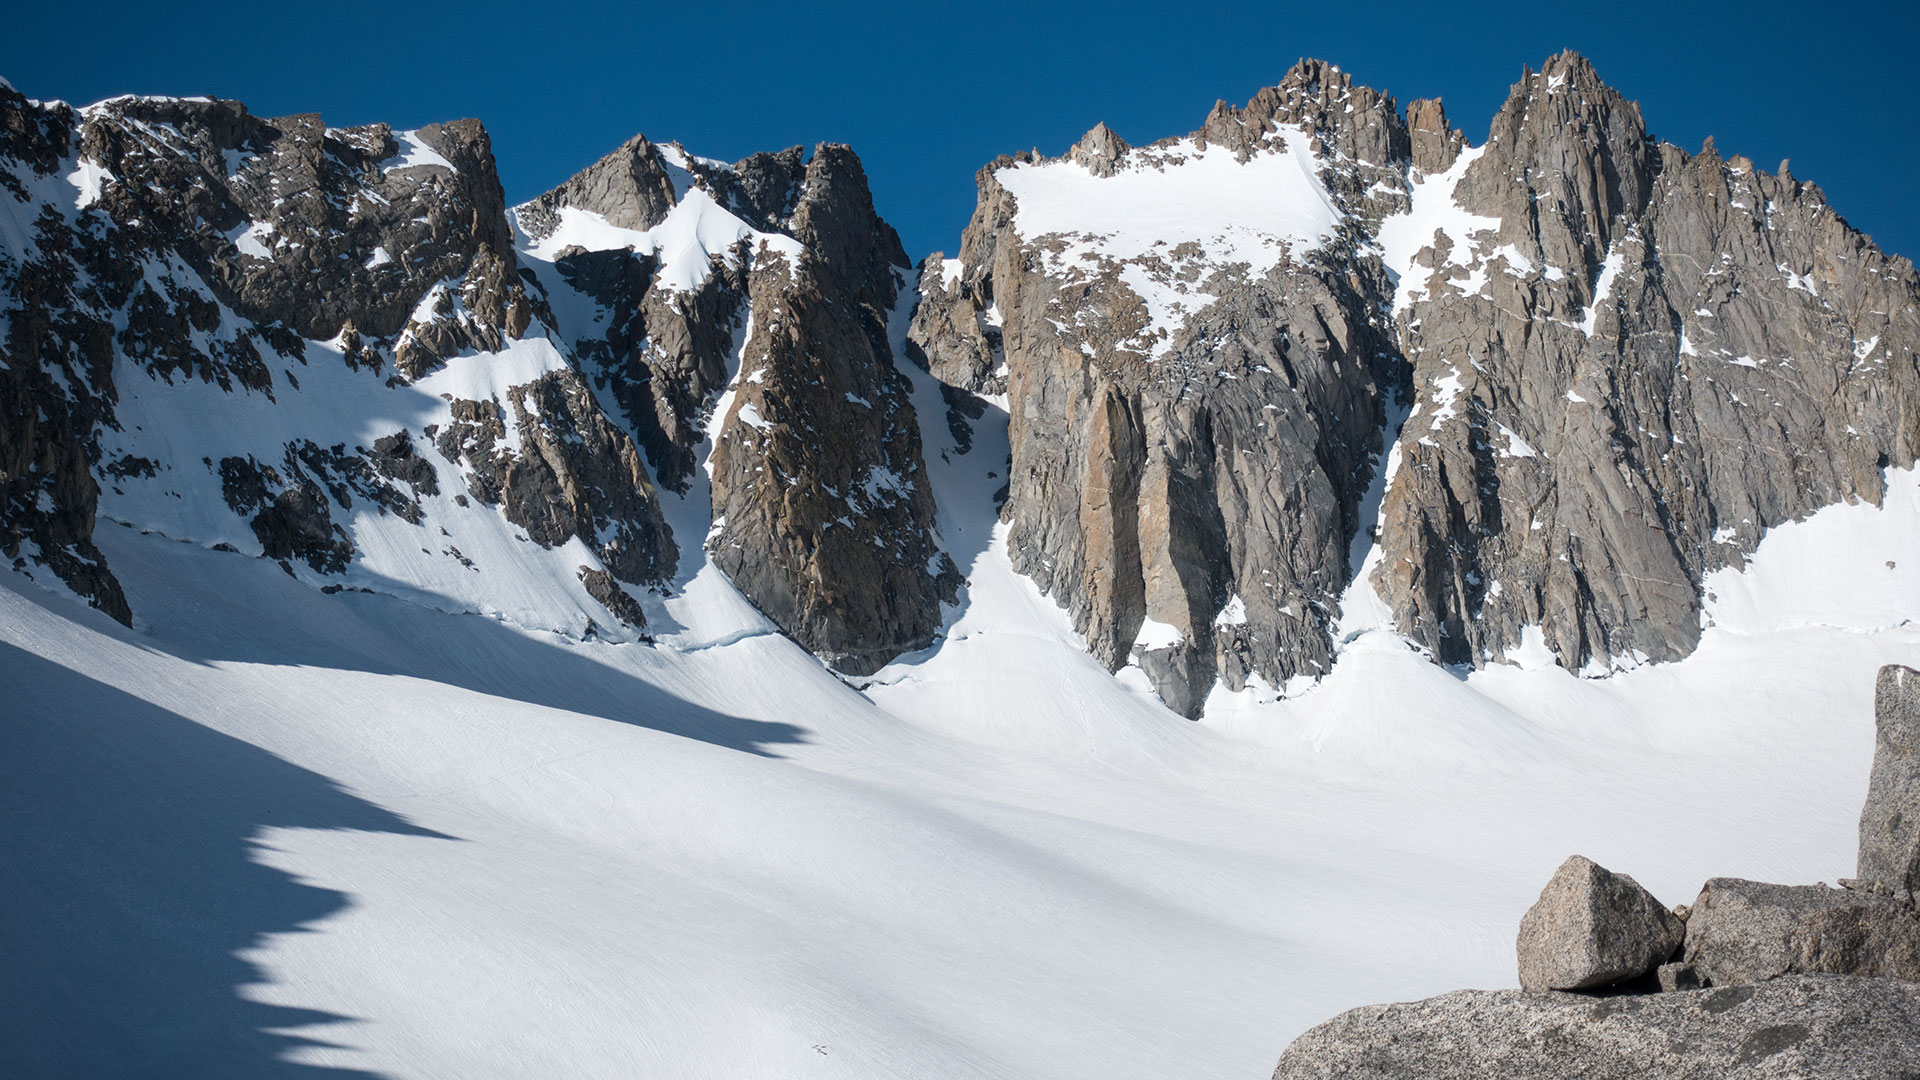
(1099, 150)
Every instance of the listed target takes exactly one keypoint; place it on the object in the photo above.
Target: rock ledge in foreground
(1833, 1027)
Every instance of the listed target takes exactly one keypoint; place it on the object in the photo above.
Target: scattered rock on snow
(1775, 980)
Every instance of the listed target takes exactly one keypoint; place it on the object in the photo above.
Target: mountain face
(1618, 364)
(236, 331)
(1630, 361)
(338, 349)
(1192, 340)
(1319, 367)
(769, 283)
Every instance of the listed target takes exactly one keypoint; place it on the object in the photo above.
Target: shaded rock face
(825, 517)
(1890, 822)
(630, 188)
(822, 515)
(660, 353)
(1591, 928)
(573, 474)
(1750, 931)
(1801, 1026)
(1641, 361)
(1624, 363)
(1192, 423)
(56, 370)
(953, 336)
(176, 268)
(399, 238)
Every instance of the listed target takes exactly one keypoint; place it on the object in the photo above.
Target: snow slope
(478, 560)
(273, 832)
(1172, 214)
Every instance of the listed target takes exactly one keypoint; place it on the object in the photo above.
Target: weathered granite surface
(1592, 928)
(1831, 1027)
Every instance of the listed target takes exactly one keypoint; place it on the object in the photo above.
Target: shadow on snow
(129, 887)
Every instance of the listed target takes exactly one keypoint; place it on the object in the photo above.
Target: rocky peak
(1593, 326)
(317, 203)
(856, 252)
(1629, 365)
(764, 189)
(1342, 120)
(1348, 120)
(630, 187)
(823, 515)
(1099, 150)
(1188, 456)
(1433, 143)
(1581, 154)
(775, 348)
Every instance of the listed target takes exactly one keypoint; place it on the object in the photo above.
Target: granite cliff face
(1318, 368)
(1192, 340)
(1622, 363)
(1630, 362)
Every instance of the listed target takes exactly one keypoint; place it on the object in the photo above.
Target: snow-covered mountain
(1599, 368)
(655, 630)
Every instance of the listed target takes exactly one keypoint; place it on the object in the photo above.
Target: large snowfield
(274, 832)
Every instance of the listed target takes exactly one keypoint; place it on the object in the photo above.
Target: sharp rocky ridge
(1323, 366)
(340, 349)
(1319, 368)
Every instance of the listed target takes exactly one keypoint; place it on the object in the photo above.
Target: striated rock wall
(1642, 361)
(1192, 424)
(1624, 363)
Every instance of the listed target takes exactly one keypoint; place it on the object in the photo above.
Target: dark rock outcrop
(1890, 824)
(568, 473)
(56, 371)
(823, 515)
(188, 253)
(1591, 928)
(1830, 1027)
(821, 512)
(953, 336)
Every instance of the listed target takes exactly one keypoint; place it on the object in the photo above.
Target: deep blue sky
(929, 92)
